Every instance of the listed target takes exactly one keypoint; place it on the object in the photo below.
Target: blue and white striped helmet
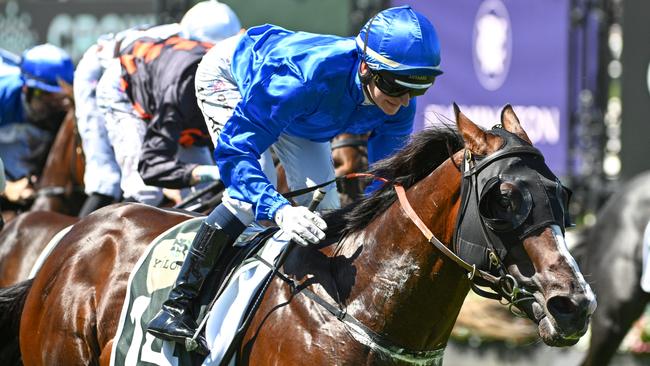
(44, 65)
(401, 41)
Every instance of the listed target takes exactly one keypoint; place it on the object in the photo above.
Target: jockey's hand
(302, 225)
(205, 173)
(19, 190)
(173, 195)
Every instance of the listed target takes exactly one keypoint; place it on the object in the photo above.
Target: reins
(505, 285)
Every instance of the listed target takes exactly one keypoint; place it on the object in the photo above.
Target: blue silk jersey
(301, 84)
(11, 106)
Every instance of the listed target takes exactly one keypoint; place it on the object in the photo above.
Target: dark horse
(349, 155)
(610, 253)
(398, 288)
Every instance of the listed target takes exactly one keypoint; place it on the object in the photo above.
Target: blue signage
(497, 52)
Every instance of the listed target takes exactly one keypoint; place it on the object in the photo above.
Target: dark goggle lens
(40, 93)
(392, 89)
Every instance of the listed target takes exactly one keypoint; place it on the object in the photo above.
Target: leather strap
(349, 142)
(408, 209)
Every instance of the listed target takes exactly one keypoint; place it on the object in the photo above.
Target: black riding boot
(94, 202)
(175, 321)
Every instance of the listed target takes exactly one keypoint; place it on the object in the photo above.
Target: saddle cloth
(150, 283)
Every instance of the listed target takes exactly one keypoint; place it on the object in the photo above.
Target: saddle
(151, 281)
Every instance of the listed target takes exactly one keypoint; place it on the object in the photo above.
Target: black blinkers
(505, 197)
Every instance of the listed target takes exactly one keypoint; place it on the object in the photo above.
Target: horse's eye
(504, 201)
(506, 193)
(505, 205)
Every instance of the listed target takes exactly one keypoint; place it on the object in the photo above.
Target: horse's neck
(59, 159)
(404, 287)
(57, 172)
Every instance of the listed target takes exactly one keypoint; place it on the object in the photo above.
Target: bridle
(355, 142)
(505, 285)
(57, 190)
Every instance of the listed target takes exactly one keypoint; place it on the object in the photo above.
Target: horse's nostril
(561, 305)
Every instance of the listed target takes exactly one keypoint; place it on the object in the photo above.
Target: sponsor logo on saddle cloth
(150, 283)
(166, 260)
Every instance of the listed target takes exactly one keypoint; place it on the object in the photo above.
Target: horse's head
(511, 224)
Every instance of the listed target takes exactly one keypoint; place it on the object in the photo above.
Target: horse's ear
(476, 140)
(511, 123)
(66, 87)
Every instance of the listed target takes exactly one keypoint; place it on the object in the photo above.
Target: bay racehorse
(610, 254)
(350, 155)
(394, 271)
(59, 188)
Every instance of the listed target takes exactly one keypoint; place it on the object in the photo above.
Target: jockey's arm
(255, 125)
(158, 164)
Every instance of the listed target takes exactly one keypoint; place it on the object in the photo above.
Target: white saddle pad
(226, 315)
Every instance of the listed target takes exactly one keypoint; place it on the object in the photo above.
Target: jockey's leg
(102, 174)
(175, 321)
(308, 163)
(126, 133)
(93, 202)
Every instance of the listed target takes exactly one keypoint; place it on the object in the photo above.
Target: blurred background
(561, 63)
(576, 71)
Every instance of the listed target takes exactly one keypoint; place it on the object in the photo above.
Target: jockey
(101, 173)
(118, 123)
(32, 106)
(294, 91)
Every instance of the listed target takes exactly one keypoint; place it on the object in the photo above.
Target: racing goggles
(394, 85)
(38, 93)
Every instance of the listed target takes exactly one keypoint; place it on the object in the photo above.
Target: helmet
(403, 42)
(42, 66)
(209, 21)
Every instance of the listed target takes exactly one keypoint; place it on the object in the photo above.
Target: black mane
(425, 151)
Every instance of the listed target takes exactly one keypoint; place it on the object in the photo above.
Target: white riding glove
(205, 173)
(302, 225)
